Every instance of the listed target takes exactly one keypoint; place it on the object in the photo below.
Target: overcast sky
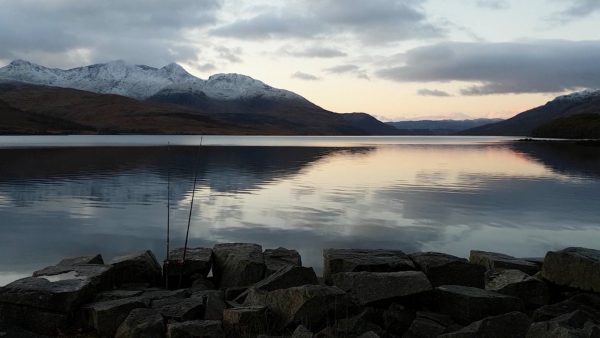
(396, 59)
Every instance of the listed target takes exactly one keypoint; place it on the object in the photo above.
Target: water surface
(67, 196)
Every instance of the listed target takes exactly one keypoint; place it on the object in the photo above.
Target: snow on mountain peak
(579, 96)
(141, 82)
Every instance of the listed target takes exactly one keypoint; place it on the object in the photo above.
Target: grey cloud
(138, 30)
(317, 52)
(374, 21)
(305, 76)
(206, 67)
(229, 54)
(348, 69)
(545, 66)
(577, 9)
(493, 4)
(432, 92)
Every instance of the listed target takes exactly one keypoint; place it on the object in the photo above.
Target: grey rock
(574, 324)
(287, 277)
(357, 325)
(196, 328)
(275, 259)
(248, 321)
(512, 324)
(573, 267)
(369, 287)
(82, 260)
(106, 317)
(63, 291)
(355, 260)
(157, 294)
(203, 283)
(397, 319)
(498, 261)
(238, 264)
(443, 269)
(142, 323)
(140, 267)
(369, 334)
(532, 291)
(214, 303)
(235, 292)
(466, 304)
(198, 262)
(117, 294)
(180, 310)
(425, 327)
(302, 332)
(307, 304)
(587, 303)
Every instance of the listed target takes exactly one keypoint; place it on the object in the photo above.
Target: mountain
(439, 127)
(578, 126)
(223, 99)
(523, 124)
(369, 124)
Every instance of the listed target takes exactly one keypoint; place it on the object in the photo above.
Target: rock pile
(256, 293)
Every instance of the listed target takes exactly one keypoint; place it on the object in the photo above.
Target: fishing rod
(168, 217)
(187, 233)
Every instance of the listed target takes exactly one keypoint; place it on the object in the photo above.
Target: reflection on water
(453, 195)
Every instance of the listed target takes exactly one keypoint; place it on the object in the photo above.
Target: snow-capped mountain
(579, 96)
(141, 82)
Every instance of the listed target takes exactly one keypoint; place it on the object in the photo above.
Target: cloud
(229, 54)
(432, 92)
(493, 4)
(317, 52)
(150, 32)
(544, 66)
(348, 69)
(305, 76)
(206, 67)
(577, 9)
(371, 22)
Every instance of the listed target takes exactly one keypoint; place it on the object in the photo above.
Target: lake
(72, 195)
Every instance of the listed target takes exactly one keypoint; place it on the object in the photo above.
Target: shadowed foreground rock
(355, 260)
(375, 293)
(198, 262)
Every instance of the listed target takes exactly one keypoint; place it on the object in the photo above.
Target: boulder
(245, 321)
(117, 294)
(357, 325)
(180, 310)
(574, 267)
(142, 323)
(202, 283)
(198, 262)
(498, 261)
(429, 324)
(106, 317)
(574, 324)
(397, 319)
(467, 304)
(235, 292)
(532, 291)
(369, 334)
(307, 304)
(238, 264)
(157, 294)
(355, 260)
(140, 267)
(302, 332)
(512, 324)
(46, 304)
(369, 287)
(287, 277)
(196, 328)
(587, 303)
(443, 269)
(214, 303)
(82, 260)
(275, 259)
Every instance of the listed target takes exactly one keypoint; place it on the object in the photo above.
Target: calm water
(447, 194)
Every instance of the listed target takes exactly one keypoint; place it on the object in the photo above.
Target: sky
(394, 59)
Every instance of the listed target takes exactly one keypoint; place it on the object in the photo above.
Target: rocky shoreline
(239, 290)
